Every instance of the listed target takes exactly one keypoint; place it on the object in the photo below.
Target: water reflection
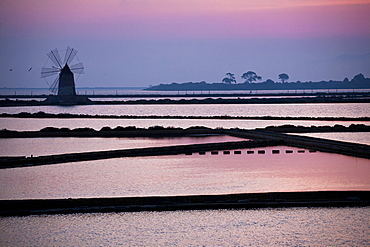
(262, 227)
(283, 110)
(357, 137)
(185, 174)
(48, 146)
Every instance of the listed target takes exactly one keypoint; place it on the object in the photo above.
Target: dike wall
(11, 162)
(318, 144)
(260, 139)
(190, 202)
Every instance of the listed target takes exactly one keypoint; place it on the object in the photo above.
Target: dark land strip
(196, 202)
(161, 132)
(206, 94)
(22, 161)
(190, 202)
(319, 144)
(239, 101)
(318, 99)
(69, 115)
(130, 131)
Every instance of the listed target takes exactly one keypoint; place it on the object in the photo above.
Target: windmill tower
(64, 83)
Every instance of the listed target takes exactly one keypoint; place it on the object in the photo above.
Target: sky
(137, 43)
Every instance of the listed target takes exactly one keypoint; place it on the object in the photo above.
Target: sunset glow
(185, 122)
(170, 31)
(195, 18)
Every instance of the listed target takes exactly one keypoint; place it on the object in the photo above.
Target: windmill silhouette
(64, 82)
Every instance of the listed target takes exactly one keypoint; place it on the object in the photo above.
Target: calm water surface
(47, 146)
(259, 227)
(184, 175)
(356, 137)
(282, 110)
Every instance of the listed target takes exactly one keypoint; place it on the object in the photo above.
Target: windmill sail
(77, 68)
(64, 83)
(70, 55)
(55, 58)
(45, 72)
(53, 87)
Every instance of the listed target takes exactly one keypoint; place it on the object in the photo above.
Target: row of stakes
(252, 152)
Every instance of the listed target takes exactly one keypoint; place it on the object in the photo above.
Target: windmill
(64, 82)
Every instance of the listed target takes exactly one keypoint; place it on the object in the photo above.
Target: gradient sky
(129, 43)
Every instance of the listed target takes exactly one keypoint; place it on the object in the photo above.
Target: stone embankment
(222, 117)
(159, 131)
(259, 139)
(209, 94)
(155, 132)
(10, 162)
(317, 98)
(323, 145)
(195, 202)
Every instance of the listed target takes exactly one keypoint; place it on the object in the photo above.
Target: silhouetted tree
(283, 77)
(358, 78)
(346, 80)
(230, 78)
(251, 76)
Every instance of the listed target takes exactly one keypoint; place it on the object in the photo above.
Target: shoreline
(211, 93)
(159, 131)
(187, 202)
(319, 98)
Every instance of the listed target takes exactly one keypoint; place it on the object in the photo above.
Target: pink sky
(142, 42)
(189, 18)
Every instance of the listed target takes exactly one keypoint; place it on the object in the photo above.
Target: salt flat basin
(49, 146)
(293, 110)
(277, 169)
(356, 137)
(254, 227)
(35, 124)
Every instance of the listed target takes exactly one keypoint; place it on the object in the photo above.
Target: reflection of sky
(50, 146)
(190, 174)
(137, 43)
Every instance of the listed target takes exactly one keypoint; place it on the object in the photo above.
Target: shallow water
(48, 146)
(356, 137)
(183, 175)
(257, 227)
(282, 110)
(189, 174)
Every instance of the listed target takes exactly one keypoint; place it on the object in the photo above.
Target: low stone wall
(323, 145)
(10, 162)
(196, 202)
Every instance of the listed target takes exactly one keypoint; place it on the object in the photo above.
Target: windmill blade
(53, 87)
(55, 57)
(70, 55)
(78, 68)
(45, 72)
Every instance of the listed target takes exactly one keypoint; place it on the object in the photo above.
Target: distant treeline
(160, 131)
(223, 117)
(358, 82)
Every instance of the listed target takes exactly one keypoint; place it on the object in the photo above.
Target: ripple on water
(260, 227)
